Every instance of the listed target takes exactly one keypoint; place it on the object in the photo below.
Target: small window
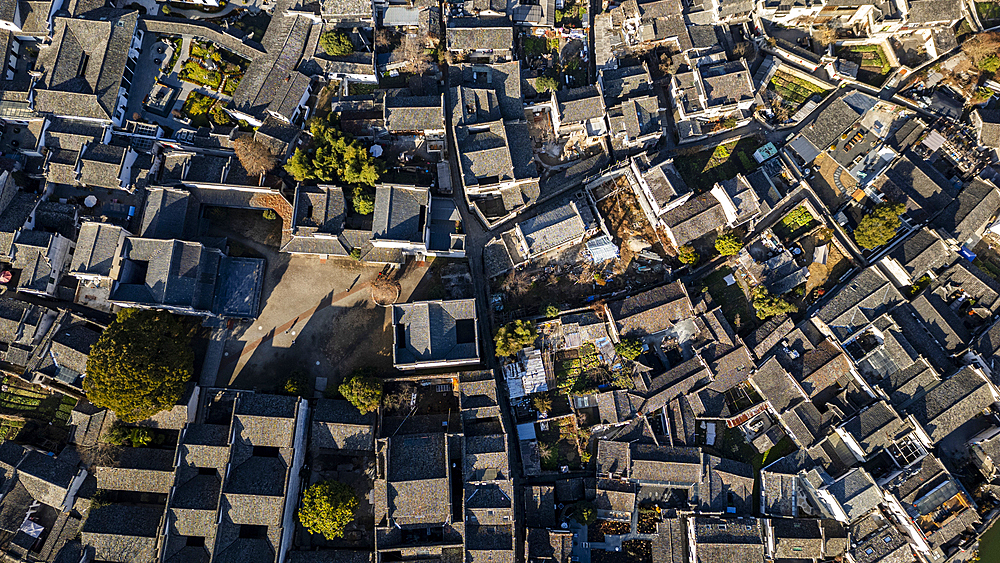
(266, 451)
(195, 541)
(251, 532)
(887, 539)
(869, 551)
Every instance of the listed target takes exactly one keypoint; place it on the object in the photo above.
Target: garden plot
(873, 64)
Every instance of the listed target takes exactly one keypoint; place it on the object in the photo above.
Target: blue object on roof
(966, 253)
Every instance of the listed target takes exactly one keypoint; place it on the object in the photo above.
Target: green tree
(270, 215)
(333, 158)
(140, 364)
(165, 9)
(728, 243)
(327, 508)
(363, 201)
(585, 512)
(768, 305)
(542, 402)
(336, 43)
(990, 63)
(363, 390)
(140, 437)
(629, 348)
(514, 336)
(356, 254)
(297, 385)
(687, 255)
(551, 311)
(546, 84)
(879, 226)
(797, 217)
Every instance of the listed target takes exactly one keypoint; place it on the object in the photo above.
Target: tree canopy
(140, 364)
(728, 243)
(585, 512)
(879, 226)
(514, 336)
(327, 508)
(768, 305)
(363, 200)
(332, 157)
(546, 84)
(362, 390)
(254, 156)
(336, 43)
(797, 217)
(629, 348)
(687, 255)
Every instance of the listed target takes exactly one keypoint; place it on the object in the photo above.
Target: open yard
(557, 440)
(625, 219)
(795, 91)
(824, 181)
(731, 298)
(825, 276)
(872, 62)
(21, 402)
(702, 169)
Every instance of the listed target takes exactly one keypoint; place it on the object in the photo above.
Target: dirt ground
(625, 219)
(319, 319)
(821, 275)
(825, 185)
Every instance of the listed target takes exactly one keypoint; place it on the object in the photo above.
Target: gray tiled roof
(951, 403)
(164, 214)
(920, 253)
(431, 331)
(695, 218)
(930, 11)
(652, 310)
(580, 104)
(974, 207)
(490, 34)
(168, 272)
(104, 39)
(553, 228)
(101, 165)
(400, 213)
(417, 113)
(829, 124)
(867, 296)
(96, 249)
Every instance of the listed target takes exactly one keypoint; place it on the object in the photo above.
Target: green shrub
(687, 255)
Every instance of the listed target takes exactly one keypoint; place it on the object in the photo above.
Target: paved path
(213, 357)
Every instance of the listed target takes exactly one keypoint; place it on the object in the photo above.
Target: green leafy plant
(297, 385)
(989, 63)
(879, 226)
(768, 305)
(270, 215)
(336, 43)
(363, 200)
(551, 311)
(728, 243)
(585, 512)
(513, 337)
(140, 364)
(546, 84)
(629, 348)
(333, 158)
(356, 254)
(797, 217)
(327, 508)
(363, 390)
(687, 255)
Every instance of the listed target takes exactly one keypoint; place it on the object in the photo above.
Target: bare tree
(412, 50)
(254, 156)
(383, 37)
(825, 35)
(516, 282)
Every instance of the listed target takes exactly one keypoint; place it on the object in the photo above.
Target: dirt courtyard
(318, 319)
